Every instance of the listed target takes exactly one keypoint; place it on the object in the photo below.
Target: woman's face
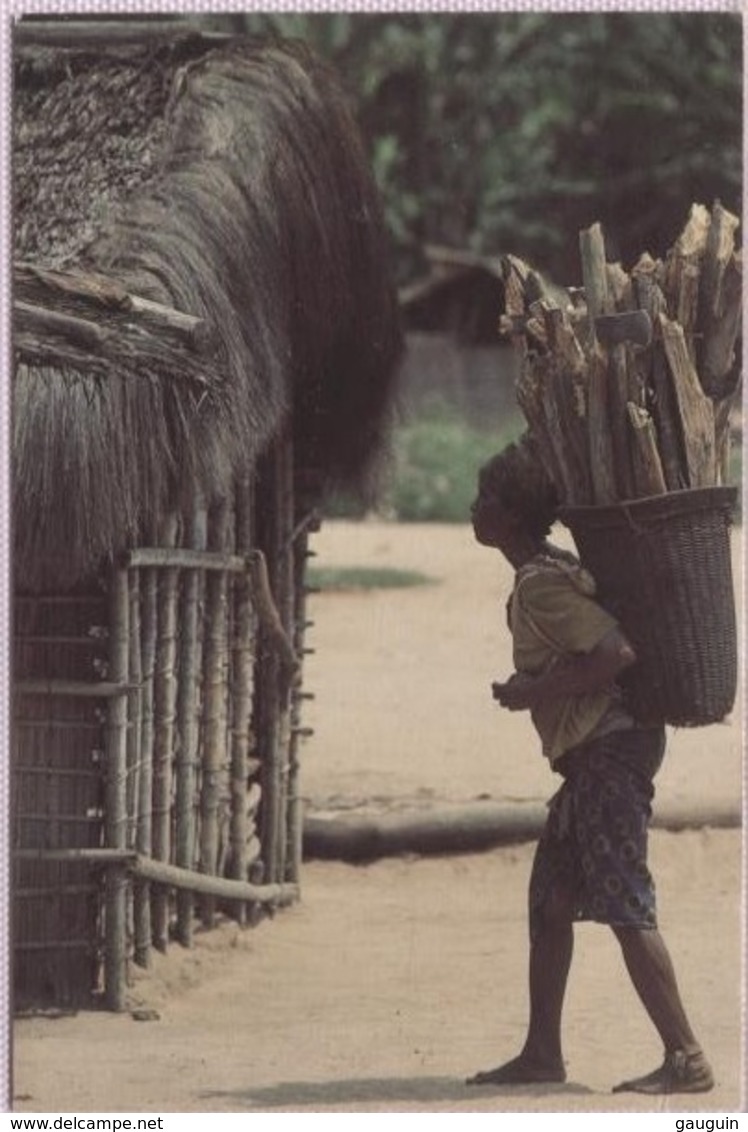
(492, 524)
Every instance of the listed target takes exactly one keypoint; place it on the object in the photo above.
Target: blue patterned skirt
(594, 844)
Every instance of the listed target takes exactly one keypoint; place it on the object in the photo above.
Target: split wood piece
(649, 478)
(720, 326)
(665, 416)
(516, 273)
(720, 246)
(695, 409)
(541, 415)
(566, 384)
(619, 287)
(682, 271)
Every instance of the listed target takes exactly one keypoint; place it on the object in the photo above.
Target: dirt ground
(390, 982)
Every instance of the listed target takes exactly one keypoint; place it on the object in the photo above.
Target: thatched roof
(227, 183)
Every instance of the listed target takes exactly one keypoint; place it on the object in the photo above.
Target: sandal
(680, 1072)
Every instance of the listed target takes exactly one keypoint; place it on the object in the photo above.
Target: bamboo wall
(157, 725)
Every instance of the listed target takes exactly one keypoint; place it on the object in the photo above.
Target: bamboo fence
(157, 723)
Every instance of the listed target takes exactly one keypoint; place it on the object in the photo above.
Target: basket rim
(653, 507)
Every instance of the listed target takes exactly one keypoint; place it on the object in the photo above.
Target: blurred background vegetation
(508, 132)
(503, 132)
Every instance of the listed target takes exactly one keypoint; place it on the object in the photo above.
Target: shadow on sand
(378, 1090)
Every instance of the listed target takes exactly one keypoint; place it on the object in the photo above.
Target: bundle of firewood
(627, 382)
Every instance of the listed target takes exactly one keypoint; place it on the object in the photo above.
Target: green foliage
(508, 132)
(435, 468)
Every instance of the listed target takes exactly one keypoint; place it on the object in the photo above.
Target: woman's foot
(520, 1071)
(680, 1072)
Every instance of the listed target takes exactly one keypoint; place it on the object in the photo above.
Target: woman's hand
(516, 693)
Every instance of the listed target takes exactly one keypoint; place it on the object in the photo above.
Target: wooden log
(214, 708)
(165, 694)
(648, 476)
(188, 698)
(695, 409)
(115, 946)
(143, 842)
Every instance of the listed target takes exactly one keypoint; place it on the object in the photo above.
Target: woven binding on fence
(663, 568)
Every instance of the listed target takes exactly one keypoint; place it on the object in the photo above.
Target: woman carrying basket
(591, 859)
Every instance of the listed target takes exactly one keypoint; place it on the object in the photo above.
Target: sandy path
(390, 982)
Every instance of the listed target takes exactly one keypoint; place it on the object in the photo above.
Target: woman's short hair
(518, 482)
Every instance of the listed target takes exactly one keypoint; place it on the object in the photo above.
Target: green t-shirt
(552, 614)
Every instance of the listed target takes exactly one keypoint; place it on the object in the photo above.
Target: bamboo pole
(295, 820)
(214, 713)
(164, 693)
(144, 835)
(212, 886)
(188, 697)
(187, 558)
(134, 706)
(161, 873)
(115, 959)
(267, 705)
(242, 682)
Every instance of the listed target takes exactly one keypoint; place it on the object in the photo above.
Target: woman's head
(514, 490)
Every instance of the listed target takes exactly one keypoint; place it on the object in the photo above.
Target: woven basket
(663, 569)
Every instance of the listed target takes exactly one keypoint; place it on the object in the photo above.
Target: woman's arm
(571, 676)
